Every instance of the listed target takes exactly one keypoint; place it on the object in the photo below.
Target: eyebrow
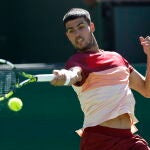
(67, 28)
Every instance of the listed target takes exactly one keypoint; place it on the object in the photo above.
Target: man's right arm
(67, 77)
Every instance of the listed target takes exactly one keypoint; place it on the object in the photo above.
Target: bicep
(137, 81)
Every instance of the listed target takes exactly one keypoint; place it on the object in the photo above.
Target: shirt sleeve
(129, 66)
(72, 62)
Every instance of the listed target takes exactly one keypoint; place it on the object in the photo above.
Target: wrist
(69, 76)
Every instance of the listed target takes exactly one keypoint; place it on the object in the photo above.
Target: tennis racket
(11, 79)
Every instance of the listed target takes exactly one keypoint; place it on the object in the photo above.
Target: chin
(82, 50)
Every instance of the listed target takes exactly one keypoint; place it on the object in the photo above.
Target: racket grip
(45, 77)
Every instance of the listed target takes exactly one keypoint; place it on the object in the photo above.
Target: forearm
(66, 77)
(141, 83)
(145, 42)
(73, 75)
(147, 77)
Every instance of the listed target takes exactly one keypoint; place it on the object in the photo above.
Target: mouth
(79, 40)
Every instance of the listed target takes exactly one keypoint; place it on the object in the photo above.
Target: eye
(81, 26)
(70, 30)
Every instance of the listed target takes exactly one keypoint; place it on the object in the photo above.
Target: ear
(92, 26)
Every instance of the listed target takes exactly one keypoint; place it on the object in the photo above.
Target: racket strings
(7, 81)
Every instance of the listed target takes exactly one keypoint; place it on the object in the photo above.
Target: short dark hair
(76, 13)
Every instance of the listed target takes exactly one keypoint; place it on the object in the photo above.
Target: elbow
(147, 94)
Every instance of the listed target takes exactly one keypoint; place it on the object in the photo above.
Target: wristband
(69, 75)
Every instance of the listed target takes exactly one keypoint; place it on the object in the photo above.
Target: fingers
(59, 78)
(148, 37)
(141, 38)
(145, 41)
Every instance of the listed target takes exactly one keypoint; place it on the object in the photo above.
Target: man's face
(79, 32)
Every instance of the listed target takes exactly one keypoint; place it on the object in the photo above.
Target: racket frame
(29, 78)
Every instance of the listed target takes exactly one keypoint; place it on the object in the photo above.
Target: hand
(145, 42)
(59, 79)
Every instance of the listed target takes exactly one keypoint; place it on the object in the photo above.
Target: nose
(77, 33)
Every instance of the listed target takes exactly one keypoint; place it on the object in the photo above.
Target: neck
(93, 47)
(91, 50)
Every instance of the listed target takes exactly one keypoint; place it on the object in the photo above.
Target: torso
(120, 122)
(104, 92)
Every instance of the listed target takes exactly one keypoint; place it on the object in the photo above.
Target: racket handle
(45, 77)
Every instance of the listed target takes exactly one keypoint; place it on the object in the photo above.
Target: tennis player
(103, 81)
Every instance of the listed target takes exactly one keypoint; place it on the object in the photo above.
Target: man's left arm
(137, 81)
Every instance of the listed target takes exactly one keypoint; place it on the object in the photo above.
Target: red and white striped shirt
(104, 91)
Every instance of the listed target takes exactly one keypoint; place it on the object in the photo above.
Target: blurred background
(32, 36)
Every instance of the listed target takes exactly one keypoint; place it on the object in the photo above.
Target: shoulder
(77, 59)
(112, 53)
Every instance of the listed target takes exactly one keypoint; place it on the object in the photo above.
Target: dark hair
(76, 13)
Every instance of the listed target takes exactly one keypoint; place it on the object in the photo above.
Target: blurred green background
(31, 31)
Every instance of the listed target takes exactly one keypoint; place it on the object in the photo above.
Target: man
(103, 81)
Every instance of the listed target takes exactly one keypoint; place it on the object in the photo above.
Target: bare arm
(137, 81)
(73, 75)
